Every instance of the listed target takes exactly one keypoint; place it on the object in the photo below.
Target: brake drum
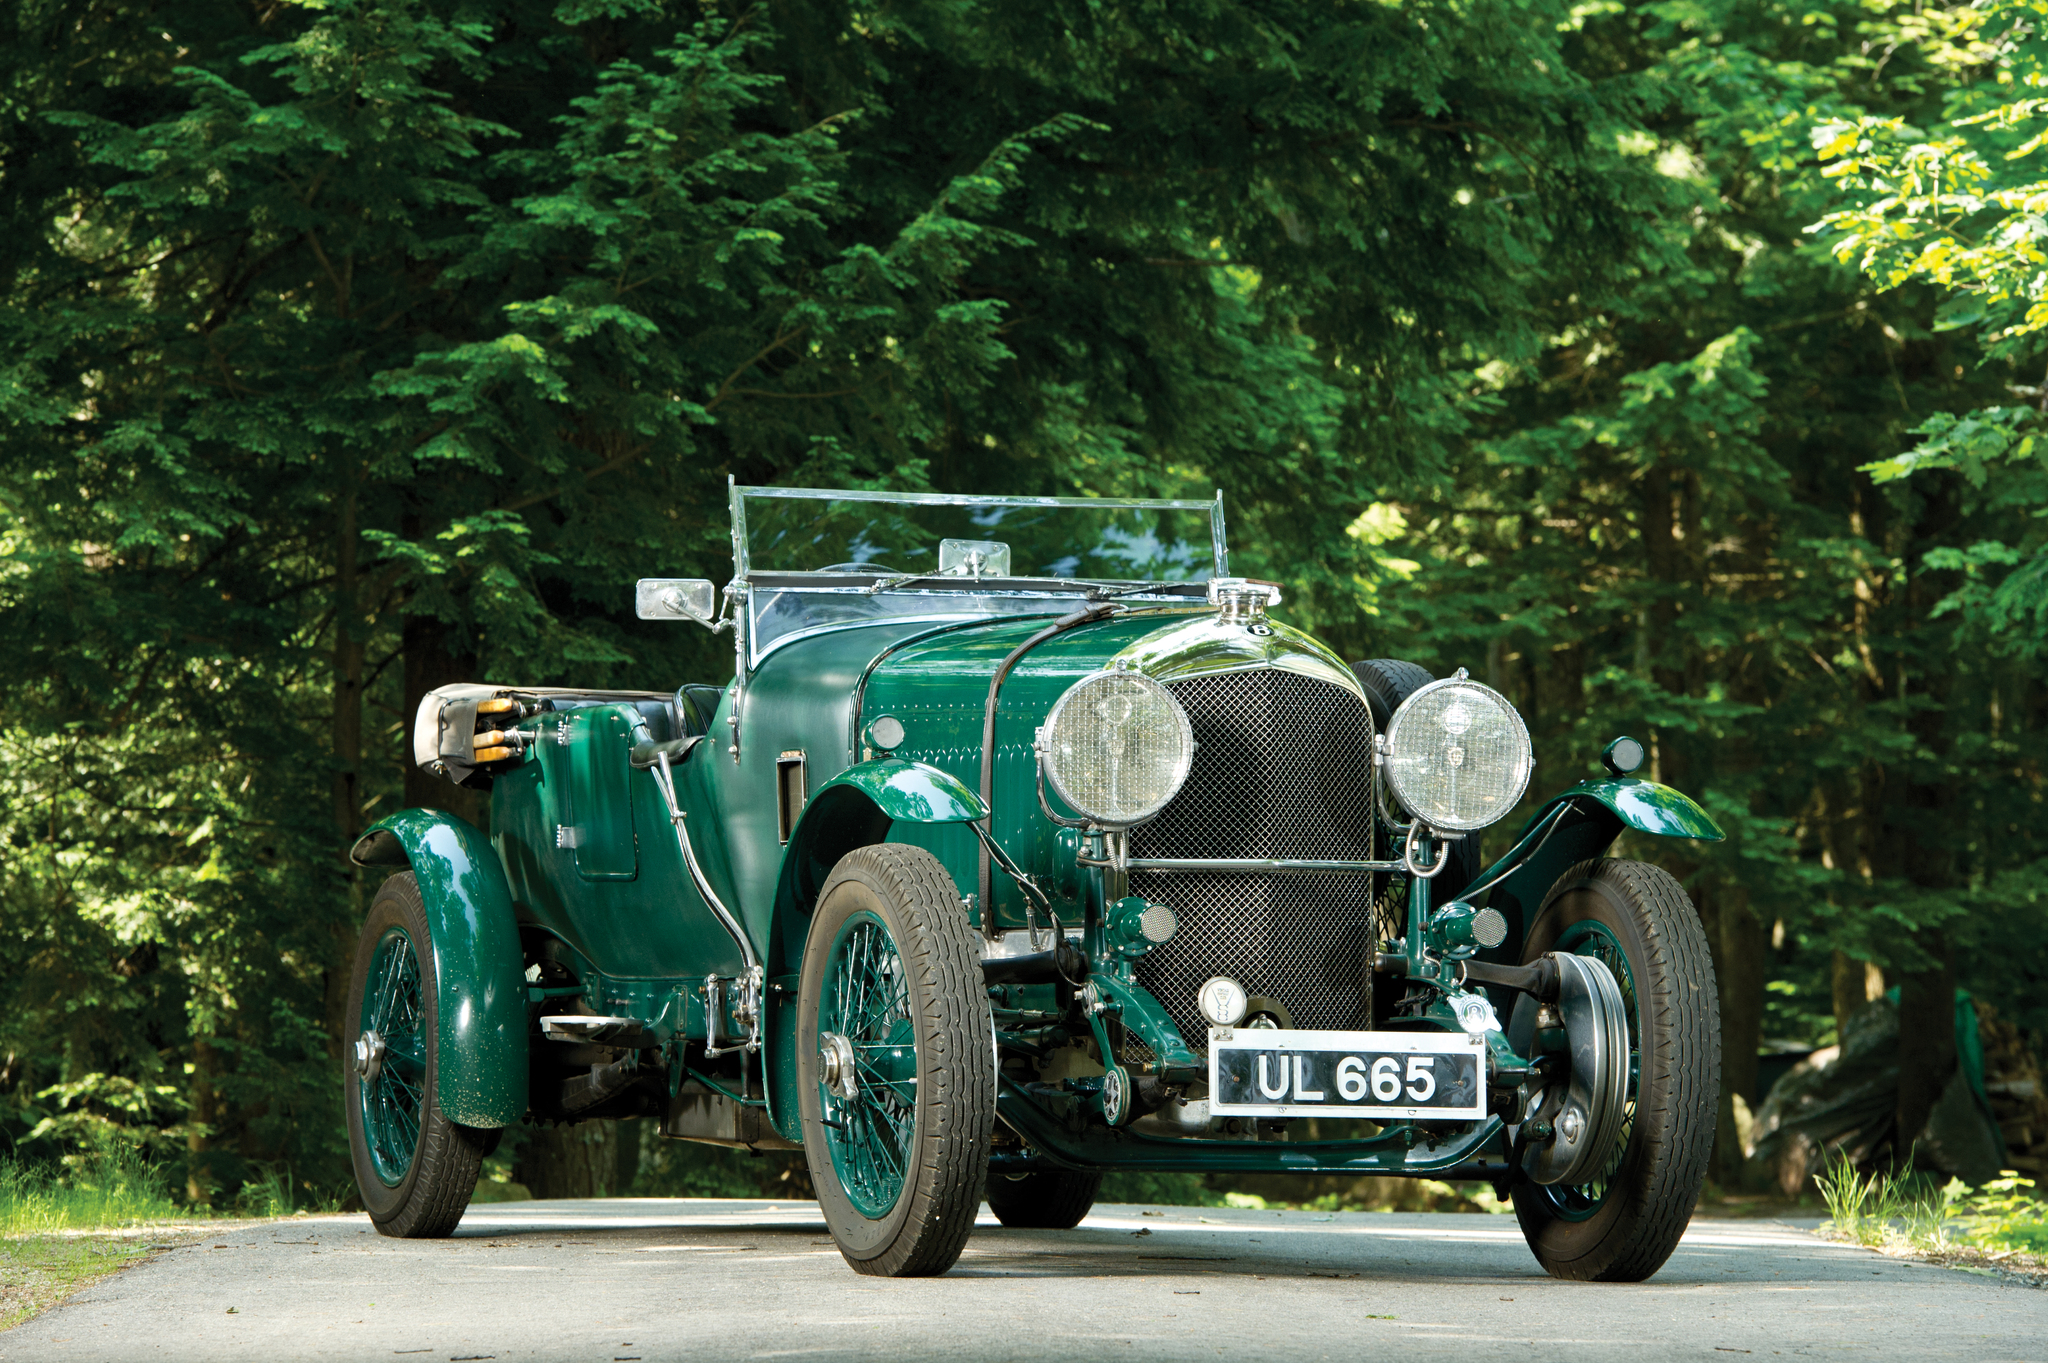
(1586, 1111)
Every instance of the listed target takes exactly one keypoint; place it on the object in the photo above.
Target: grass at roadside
(116, 1189)
(64, 1227)
(2001, 1227)
(38, 1271)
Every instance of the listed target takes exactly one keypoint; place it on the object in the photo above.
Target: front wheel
(1623, 1223)
(895, 1060)
(414, 1168)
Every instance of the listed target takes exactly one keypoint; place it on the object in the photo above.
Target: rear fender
(1597, 813)
(480, 1066)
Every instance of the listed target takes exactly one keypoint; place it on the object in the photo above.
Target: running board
(630, 1033)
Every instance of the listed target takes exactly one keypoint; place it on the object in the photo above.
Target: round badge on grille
(1223, 1001)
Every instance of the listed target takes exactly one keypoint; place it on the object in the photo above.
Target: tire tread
(943, 955)
(1680, 1084)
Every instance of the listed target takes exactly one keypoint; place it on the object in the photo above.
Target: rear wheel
(1057, 1199)
(896, 1070)
(414, 1168)
(1622, 1224)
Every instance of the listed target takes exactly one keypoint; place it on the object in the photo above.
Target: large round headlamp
(1117, 747)
(1458, 756)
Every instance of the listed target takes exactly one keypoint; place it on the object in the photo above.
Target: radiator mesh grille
(1283, 769)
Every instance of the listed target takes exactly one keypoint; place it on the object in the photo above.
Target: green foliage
(357, 347)
(118, 1188)
(2006, 1214)
(1891, 1210)
(1160, 1190)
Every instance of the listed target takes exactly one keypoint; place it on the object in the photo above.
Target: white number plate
(1258, 1073)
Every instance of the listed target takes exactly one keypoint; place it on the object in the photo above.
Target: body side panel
(650, 925)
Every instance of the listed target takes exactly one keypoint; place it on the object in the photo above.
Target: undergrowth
(1909, 1213)
(110, 1189)
(118, 1188)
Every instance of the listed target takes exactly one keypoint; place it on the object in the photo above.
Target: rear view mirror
(974, 558)
(676, 598)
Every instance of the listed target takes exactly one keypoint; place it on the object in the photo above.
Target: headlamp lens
(1117, 747)
(1458, 755)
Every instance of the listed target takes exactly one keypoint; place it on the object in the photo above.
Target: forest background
(1672, 366)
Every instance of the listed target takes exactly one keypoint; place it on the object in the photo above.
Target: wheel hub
(835, 1066)
(1571, 1127)
(369, 1056)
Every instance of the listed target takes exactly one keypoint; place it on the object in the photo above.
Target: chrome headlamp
(1117, 747)
(1458, 756)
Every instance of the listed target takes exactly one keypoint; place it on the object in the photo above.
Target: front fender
(909, 792)
(1647, 807)
(855, 809)
(480, 1061)
(1597, 813)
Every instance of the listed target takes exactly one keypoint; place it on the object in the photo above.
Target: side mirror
(676, 598)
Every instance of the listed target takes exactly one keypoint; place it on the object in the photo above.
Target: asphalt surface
(635, 1279)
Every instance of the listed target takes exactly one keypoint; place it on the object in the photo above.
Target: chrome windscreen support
(737, 599)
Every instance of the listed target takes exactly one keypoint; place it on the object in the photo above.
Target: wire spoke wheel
(1622, 1224)
(415, 1169)
(391, 1015)
(896, 1074)
(865, 1001)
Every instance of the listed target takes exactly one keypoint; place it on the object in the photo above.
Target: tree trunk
(1926, 832)
(1927, 1042)
(198, 1174)
(346, 739)
(570, 1161)
(1740, 944)
(1856, 983)
(630, 1135)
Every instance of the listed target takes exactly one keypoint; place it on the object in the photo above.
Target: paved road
(565, 1282)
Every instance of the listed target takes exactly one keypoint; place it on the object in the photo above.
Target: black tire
(1057, 1199)
(1622, 1228)
(426, 1199)
(1388, 682)
(950, 1121)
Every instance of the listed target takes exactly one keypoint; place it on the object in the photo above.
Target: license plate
(1260, 1073)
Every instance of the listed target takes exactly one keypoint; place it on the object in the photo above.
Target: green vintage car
(1023, 846)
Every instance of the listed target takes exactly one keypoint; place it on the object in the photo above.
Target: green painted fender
(480, 1068)
(910, 792)
(1595, 814)
(855, 809)
(1647, 807)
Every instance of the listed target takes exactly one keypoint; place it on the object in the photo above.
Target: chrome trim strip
(823, 494)
(1252, 865)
